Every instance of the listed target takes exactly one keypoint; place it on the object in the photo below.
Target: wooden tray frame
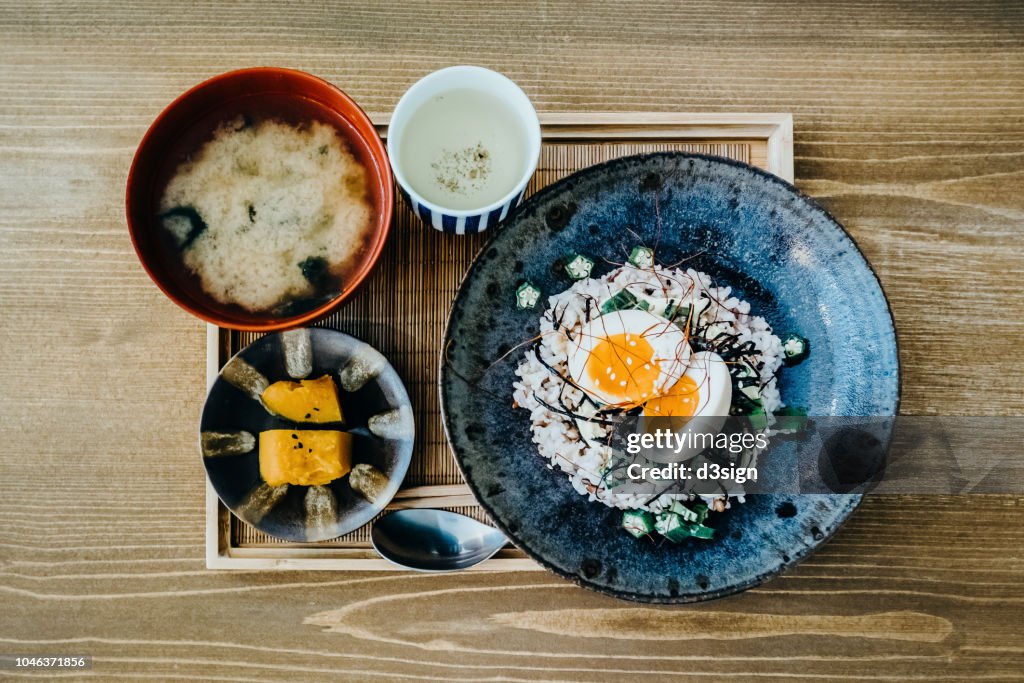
(771, 138)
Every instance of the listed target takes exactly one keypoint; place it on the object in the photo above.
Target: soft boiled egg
(633, 358)
(628, 357)
(700, 400)
(705, 390)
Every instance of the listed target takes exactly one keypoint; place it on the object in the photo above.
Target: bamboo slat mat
(402, 312)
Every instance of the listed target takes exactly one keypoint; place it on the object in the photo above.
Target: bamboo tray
(404, 304)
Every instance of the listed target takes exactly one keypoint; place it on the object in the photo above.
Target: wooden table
(909, 128)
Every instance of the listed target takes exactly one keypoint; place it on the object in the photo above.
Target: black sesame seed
(295, 436)
(309, 415)
(300, 444)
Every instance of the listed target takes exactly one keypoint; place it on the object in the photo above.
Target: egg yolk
(623, 365)
(679, 401)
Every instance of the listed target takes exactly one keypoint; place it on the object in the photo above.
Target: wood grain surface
(909, 127)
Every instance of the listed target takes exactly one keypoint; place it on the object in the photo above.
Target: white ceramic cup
(464, 221)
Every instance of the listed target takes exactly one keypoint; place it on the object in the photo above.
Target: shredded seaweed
(315, 270)
(196, 222)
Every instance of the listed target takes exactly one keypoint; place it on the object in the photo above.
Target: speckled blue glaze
(749, 230)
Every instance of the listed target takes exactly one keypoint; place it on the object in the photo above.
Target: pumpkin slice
(304, 457)
(308, 400)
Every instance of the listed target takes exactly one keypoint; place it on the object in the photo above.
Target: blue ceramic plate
(748, 229)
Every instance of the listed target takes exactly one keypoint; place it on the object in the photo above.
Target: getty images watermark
(819, 455)
(680, 441)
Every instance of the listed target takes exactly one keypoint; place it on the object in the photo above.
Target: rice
(558, 439)
(272, 197)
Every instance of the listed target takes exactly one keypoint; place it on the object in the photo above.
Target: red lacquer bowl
(265, 92)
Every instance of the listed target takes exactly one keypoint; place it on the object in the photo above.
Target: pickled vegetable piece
(365, 364)
(216, 444)
(321, 513)
(395, 424)
(368, 481)
(298, 353)
(258, 503)
(245, 377)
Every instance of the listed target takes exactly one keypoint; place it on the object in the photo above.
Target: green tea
(463, 149)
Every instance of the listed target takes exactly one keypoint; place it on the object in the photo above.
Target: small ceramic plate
(377, 414)
(749, 230)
